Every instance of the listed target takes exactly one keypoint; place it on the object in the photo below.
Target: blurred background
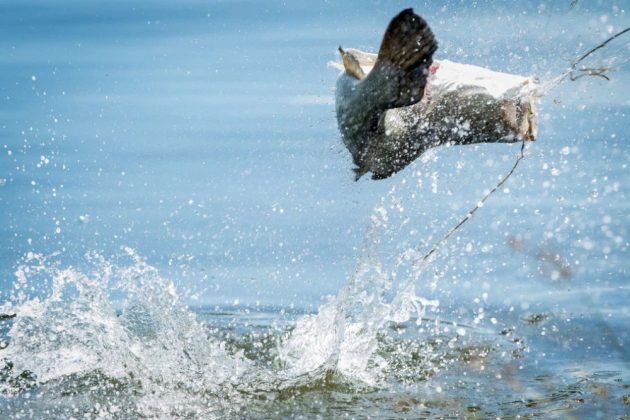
(202, 134)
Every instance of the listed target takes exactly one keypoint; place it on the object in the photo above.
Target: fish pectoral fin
(359, 172)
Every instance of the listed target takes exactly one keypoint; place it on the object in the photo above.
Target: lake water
(181, 235)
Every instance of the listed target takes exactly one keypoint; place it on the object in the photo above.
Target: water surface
(181, 233)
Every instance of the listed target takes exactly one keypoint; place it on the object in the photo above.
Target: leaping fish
(394, 106)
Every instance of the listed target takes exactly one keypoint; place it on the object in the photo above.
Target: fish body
(394, 106)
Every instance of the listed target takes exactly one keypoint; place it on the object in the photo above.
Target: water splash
(343, 336)
(153, 343)
(115, 338)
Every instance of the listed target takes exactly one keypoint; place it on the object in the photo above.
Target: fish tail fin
(407, 51)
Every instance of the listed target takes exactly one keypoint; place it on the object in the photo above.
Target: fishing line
(477, 206)
(569, 73)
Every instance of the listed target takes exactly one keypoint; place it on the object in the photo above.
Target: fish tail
(407, 51)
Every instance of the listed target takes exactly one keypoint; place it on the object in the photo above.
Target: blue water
(203, 136)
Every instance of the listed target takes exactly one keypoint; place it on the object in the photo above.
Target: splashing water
(114, 340)
(124, 326)
(153, 344)
(342, 336)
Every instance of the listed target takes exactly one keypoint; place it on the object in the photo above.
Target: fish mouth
(521, 118)
(532, 119)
